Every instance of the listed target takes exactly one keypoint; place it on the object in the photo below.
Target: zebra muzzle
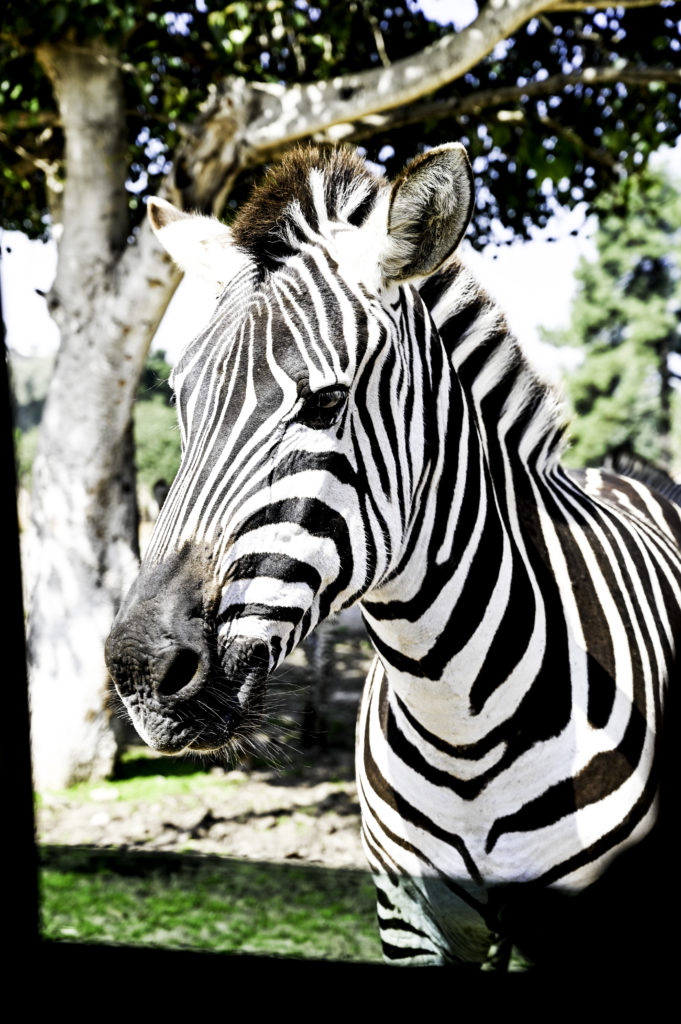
(184, 688)
(182, 693)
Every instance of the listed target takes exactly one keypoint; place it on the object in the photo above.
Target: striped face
(282, 425)
(303, 408)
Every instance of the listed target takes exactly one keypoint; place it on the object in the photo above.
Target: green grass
(211, 903)
(189, 901)
(146, 776)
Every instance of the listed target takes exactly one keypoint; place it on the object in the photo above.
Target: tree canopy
(627, 316)
(101, 105)
(573, 99)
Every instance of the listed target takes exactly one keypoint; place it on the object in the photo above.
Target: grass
(142, 775)
(189, 901)
(205, 902)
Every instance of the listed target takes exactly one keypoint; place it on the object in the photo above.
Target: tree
(627, 315)
(102, 103)
(157, 437)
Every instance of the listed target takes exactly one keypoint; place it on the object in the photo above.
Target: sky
(534, 284)
(27, 269)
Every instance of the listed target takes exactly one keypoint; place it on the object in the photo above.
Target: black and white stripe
(358, 425)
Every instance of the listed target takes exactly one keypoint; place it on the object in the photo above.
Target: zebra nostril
(180, 671)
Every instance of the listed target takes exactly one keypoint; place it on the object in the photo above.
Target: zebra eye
(322, 409)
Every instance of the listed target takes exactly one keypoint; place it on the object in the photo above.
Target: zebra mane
(310, 187)
(628, 463)
(490, 362)
(313, 186)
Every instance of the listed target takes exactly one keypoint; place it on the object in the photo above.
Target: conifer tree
(627, 315)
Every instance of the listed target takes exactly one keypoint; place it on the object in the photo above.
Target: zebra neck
(518, 416)
(460, 625)
(461, 636)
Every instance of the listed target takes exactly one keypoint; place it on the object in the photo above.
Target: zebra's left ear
(430, 207)
(199, 245)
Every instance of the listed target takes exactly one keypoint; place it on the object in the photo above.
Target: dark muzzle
(182, 689)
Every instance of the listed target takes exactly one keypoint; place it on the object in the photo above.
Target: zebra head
(309, 412)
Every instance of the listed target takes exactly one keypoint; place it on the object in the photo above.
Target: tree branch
(30, 119)
(290, 113)
(598, 5)
(476, 103)
(244, 123)
(50, 168)
(226, 138)
(593, 76)
(375, 28)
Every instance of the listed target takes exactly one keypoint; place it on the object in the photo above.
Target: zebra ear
(198, 245)
(430, 206)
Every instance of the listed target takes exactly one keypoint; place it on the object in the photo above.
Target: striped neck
(515, 411)
(440, 618)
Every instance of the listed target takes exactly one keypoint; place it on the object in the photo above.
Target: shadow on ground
(190, 901)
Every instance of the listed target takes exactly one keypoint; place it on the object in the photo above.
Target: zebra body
(358, 424)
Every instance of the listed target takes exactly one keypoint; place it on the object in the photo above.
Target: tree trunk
(83, 544)
(108, 299)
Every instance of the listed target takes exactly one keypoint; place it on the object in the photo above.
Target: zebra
(359, 424)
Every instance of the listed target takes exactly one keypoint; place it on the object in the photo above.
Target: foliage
(25, 445)
(570, 139)
(157, 437)
(627, 314)
(29, 379)
(154, 379)
(171, 59)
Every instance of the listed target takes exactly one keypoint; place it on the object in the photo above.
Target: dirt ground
(305, 810)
